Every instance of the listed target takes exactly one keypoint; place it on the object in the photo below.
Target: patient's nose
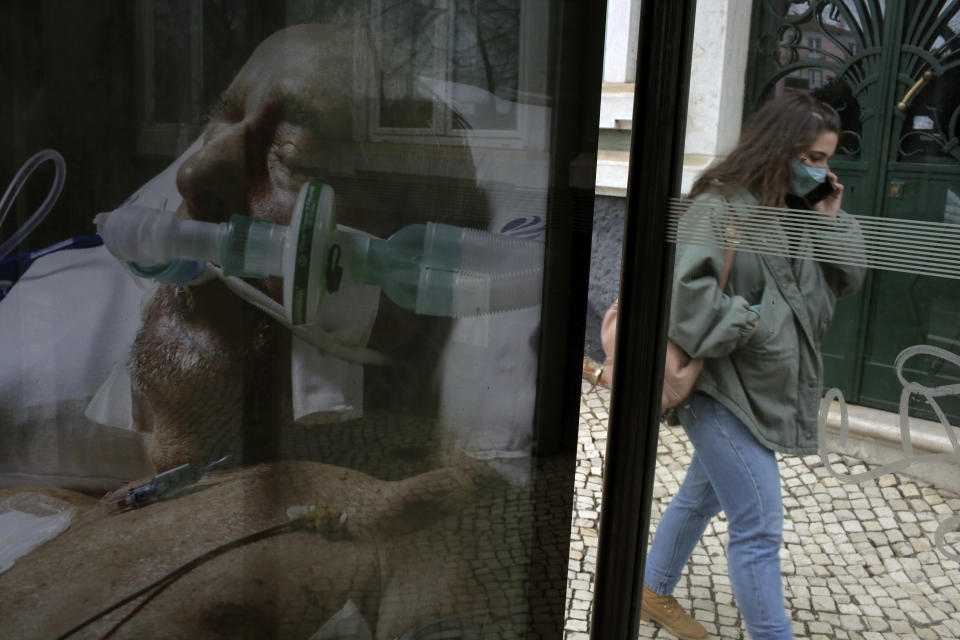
(213, 180)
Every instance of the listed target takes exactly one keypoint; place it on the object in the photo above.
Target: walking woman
(760, 336)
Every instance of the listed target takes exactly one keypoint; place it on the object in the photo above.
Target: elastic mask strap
(311, 334)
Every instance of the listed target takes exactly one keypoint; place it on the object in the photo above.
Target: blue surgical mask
(805, 177)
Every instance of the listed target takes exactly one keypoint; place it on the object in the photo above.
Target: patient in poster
(285, 478)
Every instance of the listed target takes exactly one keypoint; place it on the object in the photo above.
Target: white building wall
(717, 83)
(620, 49)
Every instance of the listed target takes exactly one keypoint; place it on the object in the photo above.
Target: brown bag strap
(727, 266)
(608, 331)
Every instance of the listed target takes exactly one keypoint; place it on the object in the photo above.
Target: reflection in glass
(384, 485)
(412, 43)
(826, 47)
(486, 56)
(934, 76)
(465, 50)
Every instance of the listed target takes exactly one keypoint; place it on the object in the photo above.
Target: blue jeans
(731, 471)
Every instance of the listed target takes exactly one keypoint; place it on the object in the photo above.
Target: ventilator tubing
(439, 269)
(155, 241)
(431, 268)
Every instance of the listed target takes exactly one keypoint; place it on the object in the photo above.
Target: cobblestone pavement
(859, 560)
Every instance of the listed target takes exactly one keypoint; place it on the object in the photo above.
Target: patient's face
(279, 123)
(204, 356)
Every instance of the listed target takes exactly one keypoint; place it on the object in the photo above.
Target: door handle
(915, 89)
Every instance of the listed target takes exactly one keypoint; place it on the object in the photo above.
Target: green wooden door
(892, 71)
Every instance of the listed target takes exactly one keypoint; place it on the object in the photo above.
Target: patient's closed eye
(312, 159)
(293, 162)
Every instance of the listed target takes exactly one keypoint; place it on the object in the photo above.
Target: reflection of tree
(475, 44)
(225, 45)
(174, 96)
(408, 41)
(493, 50)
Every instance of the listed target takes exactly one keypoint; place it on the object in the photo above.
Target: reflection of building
(455, 72)
(833, 41)
(426, 59)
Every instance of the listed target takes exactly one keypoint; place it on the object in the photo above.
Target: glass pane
(807, 485)
(307, 380)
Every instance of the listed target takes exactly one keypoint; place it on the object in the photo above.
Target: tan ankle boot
(667, 612)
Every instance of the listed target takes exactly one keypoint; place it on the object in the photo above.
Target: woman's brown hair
(761, 162)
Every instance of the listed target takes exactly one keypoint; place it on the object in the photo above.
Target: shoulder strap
(727, 266)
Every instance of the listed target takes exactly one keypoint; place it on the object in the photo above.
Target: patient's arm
(287, 585)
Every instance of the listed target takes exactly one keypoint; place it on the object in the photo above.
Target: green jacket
(763, 364)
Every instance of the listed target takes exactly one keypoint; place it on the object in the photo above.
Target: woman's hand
(831, 204)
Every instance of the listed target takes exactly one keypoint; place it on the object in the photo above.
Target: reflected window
(816, 78)
(454, 68)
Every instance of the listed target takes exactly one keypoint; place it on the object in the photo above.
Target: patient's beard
(210, 378)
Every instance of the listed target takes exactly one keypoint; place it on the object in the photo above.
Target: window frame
(532, 125)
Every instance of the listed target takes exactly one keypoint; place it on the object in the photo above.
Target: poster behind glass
(271, 317)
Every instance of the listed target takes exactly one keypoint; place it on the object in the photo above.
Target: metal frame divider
(656, 162)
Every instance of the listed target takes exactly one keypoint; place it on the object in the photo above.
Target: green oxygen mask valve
(431, 268)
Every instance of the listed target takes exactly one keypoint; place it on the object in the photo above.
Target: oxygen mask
(433, 269)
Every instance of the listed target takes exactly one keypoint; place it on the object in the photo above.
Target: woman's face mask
(805, 177)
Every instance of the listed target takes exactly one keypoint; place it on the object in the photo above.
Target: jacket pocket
(769, 383)
(775, 335)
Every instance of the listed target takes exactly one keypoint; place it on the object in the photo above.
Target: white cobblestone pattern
(859, 562)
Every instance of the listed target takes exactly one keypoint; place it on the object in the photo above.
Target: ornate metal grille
(929, 65)
(831, 48)
(841, 49)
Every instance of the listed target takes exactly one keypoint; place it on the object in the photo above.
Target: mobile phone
(820, 192)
